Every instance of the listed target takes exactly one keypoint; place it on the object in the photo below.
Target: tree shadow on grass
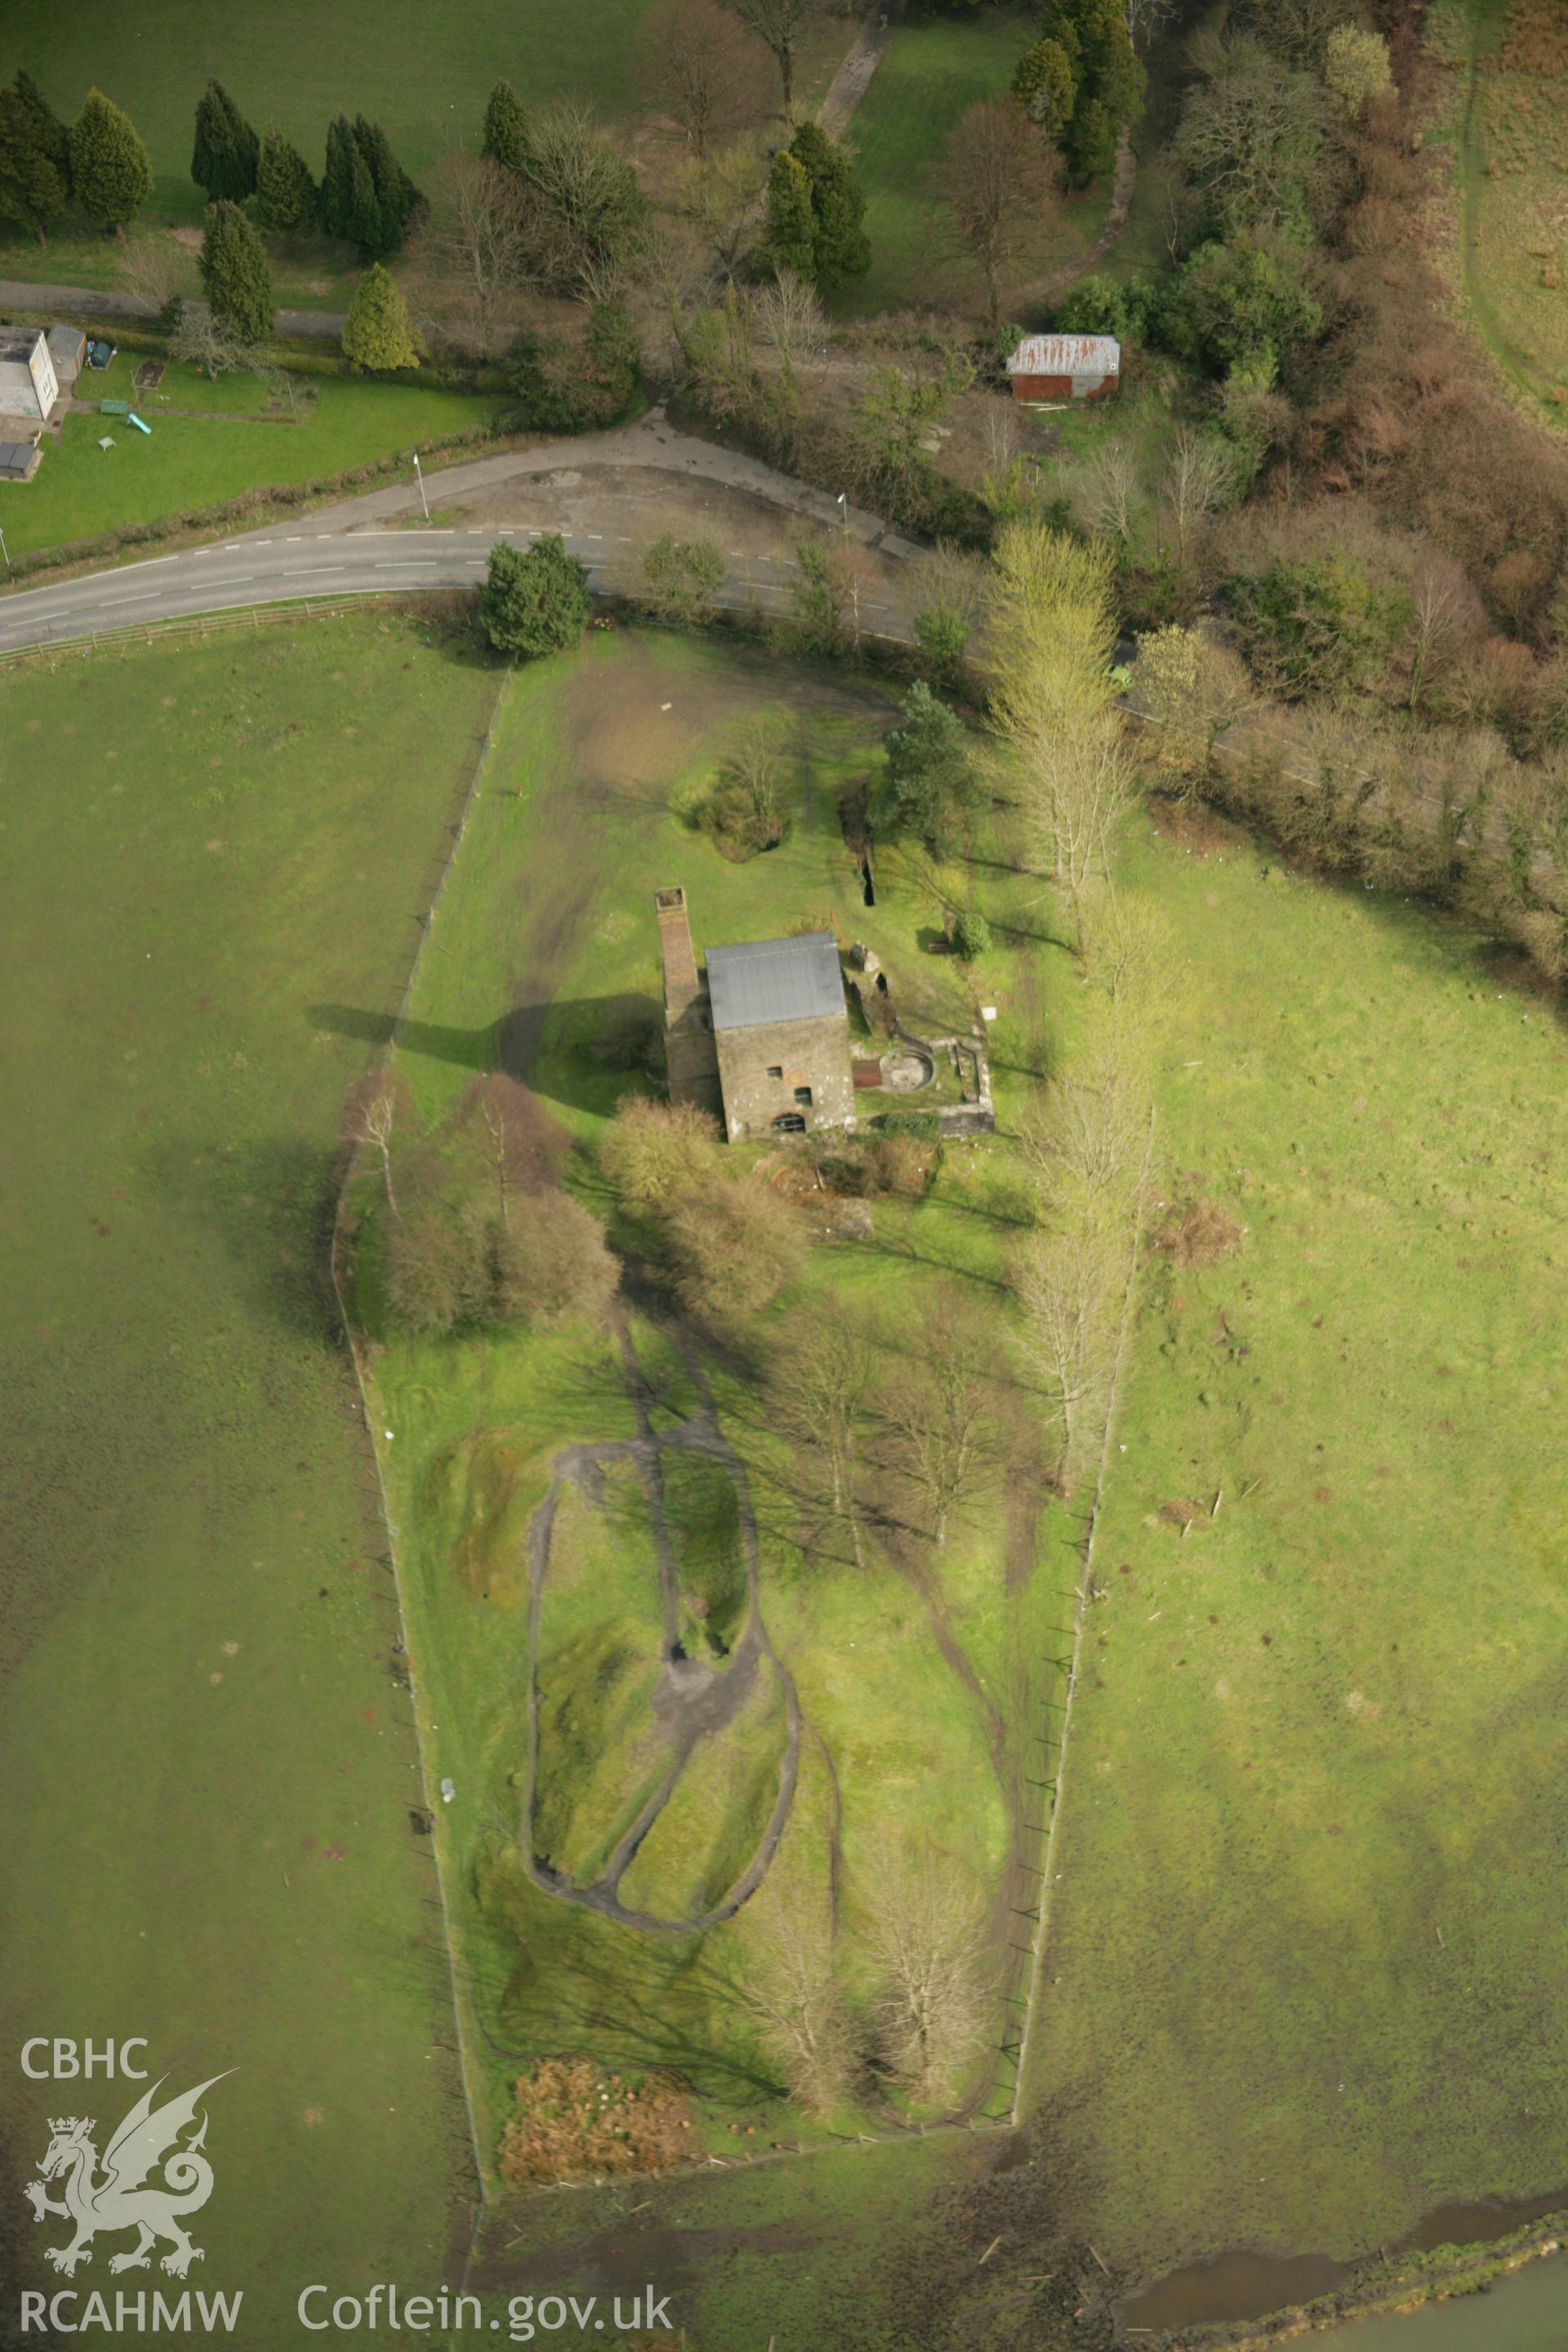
(583, 1062)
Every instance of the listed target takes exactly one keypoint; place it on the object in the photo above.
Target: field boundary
(395, 1561)
(1042, 1930)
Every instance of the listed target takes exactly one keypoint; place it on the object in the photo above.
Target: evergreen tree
(236, 275)
(1107, 80)
(506, 128)
(379, 332)
(928, 776)
(338, 179)
(842, 251)
(534, 601)
(397, 199)
(50, 135)
(1044, 84)
(791, 234)
(225, 157)
(32, 191)
(111, 173)
(365, 227)
(286, 200)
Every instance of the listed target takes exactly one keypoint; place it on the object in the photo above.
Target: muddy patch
(1245, 2284)
(1192, 825)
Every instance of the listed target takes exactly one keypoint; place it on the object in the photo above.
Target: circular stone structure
(907, 1069)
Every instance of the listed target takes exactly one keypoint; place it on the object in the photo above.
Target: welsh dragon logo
(148, 2138)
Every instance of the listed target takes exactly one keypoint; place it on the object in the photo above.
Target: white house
(28, 385)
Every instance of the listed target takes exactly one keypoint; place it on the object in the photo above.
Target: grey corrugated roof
(775, 980)
(15, 456)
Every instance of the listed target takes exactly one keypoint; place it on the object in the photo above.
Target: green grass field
(936, 65)
(207, 1840)
(579, 816)
(190, 461)
(1307, 1975)
(423, 71)
(1506, 62)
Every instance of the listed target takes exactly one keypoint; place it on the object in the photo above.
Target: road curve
(365, 546)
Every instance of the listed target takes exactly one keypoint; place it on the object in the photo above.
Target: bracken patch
(574, 2122)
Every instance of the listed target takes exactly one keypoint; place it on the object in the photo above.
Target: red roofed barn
(1065, 367)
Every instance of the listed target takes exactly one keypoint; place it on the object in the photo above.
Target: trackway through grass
(208, 1840)
(1309, 1974)
(1506, 126)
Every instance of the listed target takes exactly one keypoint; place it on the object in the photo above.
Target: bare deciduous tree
(817, 1397)
(1144, 18)
(155, 269)
(1103, 490)
(703, 67)
(936, 1981)
(199, 341)
(789, 1988)
(937, 1411)
(1090, 1140)
(790, 318)
(375, 1128)
(732, 1245)
(651, 1151)
(476, 249)
(1069, 1288)
(1199, 477)
(780, 25)
(719, 196)
(997, 179)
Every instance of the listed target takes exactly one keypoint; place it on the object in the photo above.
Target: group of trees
(475, 1233)
(365, 196)
(98, 165)
(1081, 80)
(816, 208)
(907, 1992)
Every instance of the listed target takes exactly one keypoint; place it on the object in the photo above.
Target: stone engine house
(762, 1039)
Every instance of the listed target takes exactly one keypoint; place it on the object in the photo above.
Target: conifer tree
(111, 173)
(32, 191)
(842, 251)
(790, 237)
(378, 333)
(397, 198)
(365, 227)
(286, 200)
(338, 179)
(236, 275)
(506, 128)
(50, 135)
(225, 157)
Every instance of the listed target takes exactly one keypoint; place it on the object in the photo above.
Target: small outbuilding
(1065, 367)
(67, 352)
(28, 386)
(18, 460)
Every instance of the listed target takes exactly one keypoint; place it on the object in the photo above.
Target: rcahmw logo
(153, 2176)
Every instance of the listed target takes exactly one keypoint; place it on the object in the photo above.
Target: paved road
(590, 489)
(288, 566)
(93, 302)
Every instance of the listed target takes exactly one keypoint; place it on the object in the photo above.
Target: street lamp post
(420, 479)
(844, 512)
